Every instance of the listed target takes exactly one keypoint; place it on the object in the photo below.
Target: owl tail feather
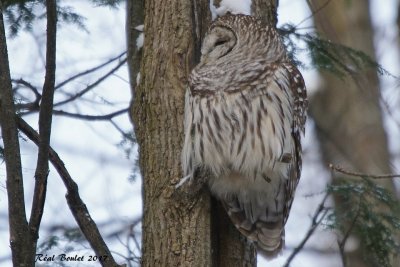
(269, 237)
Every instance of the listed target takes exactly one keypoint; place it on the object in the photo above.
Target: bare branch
(90, 117)
(363, 175)
(45, 118)
(61, 84)
(342, 243)
(313, 12)
(19, 231)
(75, 203)
(93, 85)
(319, 215)
(28, 85)
(30, 105)
(122, 132)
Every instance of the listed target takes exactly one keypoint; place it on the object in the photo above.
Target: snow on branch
(140, 39)
(233, 6)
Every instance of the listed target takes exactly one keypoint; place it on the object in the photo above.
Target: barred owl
(245, 109)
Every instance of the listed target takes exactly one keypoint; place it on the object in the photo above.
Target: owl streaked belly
(243, 138)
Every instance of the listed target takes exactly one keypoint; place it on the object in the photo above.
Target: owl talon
(183, 181)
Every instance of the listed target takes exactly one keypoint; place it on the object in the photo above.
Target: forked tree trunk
(178, 229)
(347, 111)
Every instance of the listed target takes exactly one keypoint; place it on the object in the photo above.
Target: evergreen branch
(363, 175)
(373, 219)
(21, 14)
(326, 55)
(68, 16)
(109, 3)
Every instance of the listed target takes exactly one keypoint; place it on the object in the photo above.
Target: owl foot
(183, 181)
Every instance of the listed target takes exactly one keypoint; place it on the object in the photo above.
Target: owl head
(240, 37)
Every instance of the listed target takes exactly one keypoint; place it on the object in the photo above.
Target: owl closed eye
(218, 43)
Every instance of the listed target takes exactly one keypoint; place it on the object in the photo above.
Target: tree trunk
(178, 229)
(347, 111)
(20, 235)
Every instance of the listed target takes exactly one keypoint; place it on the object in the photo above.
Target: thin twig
(30, 105)
(70, 79)
(342, 243)
(29, 86)
(122, 132)
(316, 220)
(313, 12)
(75, 203)
(93, 85)
(45, 118)
(91, 117)
(363, 175)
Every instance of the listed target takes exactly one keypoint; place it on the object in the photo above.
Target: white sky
(101, 169)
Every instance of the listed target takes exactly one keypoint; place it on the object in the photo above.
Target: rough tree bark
(20, 236)
(178, 229)
(347, 111)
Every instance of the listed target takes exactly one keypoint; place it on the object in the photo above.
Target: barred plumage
(245, 109)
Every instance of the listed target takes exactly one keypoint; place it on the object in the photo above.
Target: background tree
(347, 110)
(22, 97)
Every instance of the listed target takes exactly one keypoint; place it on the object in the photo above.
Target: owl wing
(188, 149)
(300, 105)
(251, 218)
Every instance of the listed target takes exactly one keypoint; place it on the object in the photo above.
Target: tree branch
(19, 231)
(91, 117)
(313, 11)
(342, 243)
(70, 79)
(45, 117)
(29, 86)
(316, 220)
(124, 134)
(363, 175)
(91, 86)
(30, 105)
(75, 203)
